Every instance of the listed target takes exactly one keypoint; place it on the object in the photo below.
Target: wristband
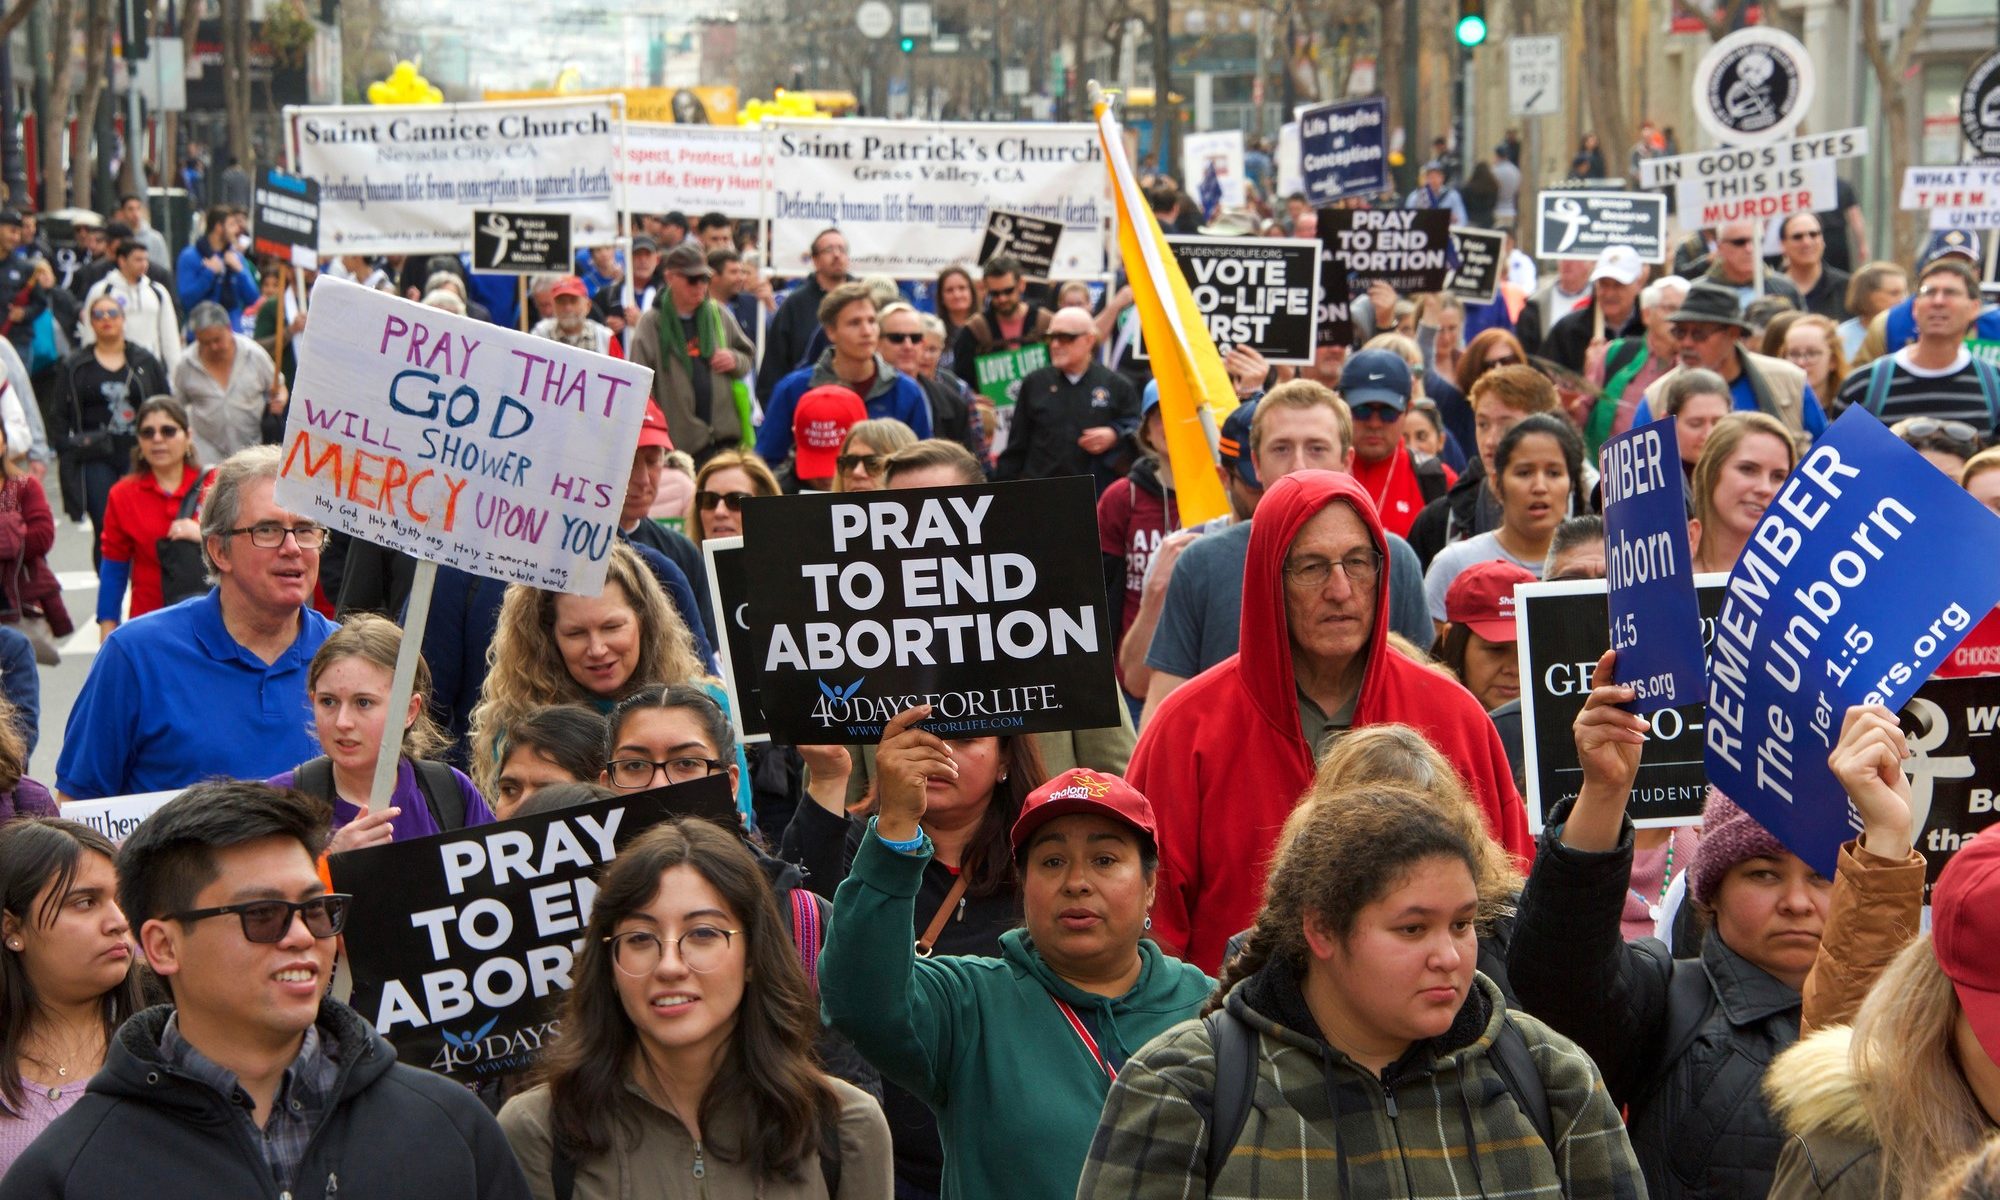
(912, 846)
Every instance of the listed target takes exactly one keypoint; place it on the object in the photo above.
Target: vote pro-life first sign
(1255, 292)
(870, 603)
(1864, 573)
(459, 442)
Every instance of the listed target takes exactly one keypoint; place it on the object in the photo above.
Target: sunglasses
(1743, 241)
(871, 463)
(1064, 338)
(1695, 333)
(1953, 431)
(1805, 235)
(269, 921)
(733, 501)
(106, 314)
(159, 432)
(1505, 360)
(903, 339)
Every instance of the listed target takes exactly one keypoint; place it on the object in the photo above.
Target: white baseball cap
(1620, 263)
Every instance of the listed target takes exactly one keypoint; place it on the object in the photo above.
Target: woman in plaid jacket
(1377, 1072)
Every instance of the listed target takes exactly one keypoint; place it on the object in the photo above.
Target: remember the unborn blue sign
(1655, 621)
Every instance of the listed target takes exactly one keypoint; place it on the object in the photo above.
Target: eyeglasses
(1695, 333)
(903, 339)
(1063, 338)
(638, 953)
(1742, 241)
(269, 921)
(1935, 292)
(161, 433)
(1804, 235)
(1361, 568)
(635, 773)
(269, 535)
(733, 501)
(871, 463)
(1952, 431)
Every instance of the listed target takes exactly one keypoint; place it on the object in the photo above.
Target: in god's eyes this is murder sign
(460, 442)
(953, 597)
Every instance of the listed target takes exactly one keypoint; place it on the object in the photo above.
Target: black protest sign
(284, 218)
(954, 597)
(1255, 292)
(740, 646)
(1408, 247)
(1031, 240)
(1584, 224)
(1480, 255)
(1336, 295)
(1953, 766)
(1979, 107)
(521, 243)
(1566, 628)
(462, 944)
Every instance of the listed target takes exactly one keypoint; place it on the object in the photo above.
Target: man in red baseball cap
(572, 325)
(819, 427)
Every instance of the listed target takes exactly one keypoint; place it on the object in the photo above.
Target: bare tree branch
(16, 13)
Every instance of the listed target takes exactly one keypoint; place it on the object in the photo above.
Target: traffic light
(909, 45)
(1471, 27)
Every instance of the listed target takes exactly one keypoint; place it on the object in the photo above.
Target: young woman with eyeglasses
(1812, 344)
(93, 407)
(66, 977)
(721, 487)
(685, 1064)
(348, 686)
(866, 451)
(144, 509)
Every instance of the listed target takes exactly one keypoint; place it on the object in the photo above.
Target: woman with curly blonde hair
(556, 648)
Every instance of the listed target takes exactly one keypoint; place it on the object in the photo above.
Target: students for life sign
(912, 197)
(459, 442)
(1865, 571)
(405, 179)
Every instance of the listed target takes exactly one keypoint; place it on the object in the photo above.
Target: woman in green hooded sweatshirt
(1015, 1054)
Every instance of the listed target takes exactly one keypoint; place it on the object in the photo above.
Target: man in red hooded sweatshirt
(1228, 754)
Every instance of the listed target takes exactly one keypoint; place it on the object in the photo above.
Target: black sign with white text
(870, 603)
(1565, 629)
(1255, 292)
(1953, 730)
(461, 944)
(521, 243)
(1032, 240)
(1408, 247)
(1979, 107)
(1583, 224)
(284, 218)
(741, 651)
(1481, 260)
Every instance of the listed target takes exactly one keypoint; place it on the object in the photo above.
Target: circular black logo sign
(1979, 107)
(1755, 88)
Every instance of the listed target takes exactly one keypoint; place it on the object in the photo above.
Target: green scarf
(708, 332)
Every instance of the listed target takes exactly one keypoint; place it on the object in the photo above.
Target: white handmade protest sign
(116, 816)
(459, 442)
(912, 196)
(694, 168)
(404, 180)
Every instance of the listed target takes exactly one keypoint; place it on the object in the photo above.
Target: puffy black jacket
(1684, 1042)
(145, 1128)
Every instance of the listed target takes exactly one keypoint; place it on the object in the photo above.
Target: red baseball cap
(569, 285)
(1965, 929)
(653, 431)
(820, 424)
(1482, 599)
(1081, 790)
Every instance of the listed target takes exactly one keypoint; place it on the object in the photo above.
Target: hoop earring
(1149, 923)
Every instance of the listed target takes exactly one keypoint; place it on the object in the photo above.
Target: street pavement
(60, 684)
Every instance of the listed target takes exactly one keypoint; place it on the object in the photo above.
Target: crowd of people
(1283, 930)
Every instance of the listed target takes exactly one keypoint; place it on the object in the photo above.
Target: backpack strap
(1524, 1079)
(1989, 387)
(1235, 1049)
(314, 777)
(562, 1171)
(808, 926)
(442, 793)
(1690, 1002)
(1881, 372)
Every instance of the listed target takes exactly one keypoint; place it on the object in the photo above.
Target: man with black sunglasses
(1735, 265)
(253, 1081)
(1074, 415)
(1009, 320)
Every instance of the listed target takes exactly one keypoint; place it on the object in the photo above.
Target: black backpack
(434, 779)
(1235, 1047)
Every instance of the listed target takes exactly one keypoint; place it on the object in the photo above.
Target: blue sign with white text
(1864, 573)
(1344, 149)
(1655, 619)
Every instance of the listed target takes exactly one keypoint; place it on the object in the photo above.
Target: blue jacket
(233, 290)
(893, 395)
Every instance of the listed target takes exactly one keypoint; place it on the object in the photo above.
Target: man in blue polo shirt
(215, 685)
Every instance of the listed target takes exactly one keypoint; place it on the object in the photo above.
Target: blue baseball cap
(1234, 442)
(1950, 243)
(1150, 400)
(1375, 377)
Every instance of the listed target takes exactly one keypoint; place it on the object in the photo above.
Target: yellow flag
(1185, 363)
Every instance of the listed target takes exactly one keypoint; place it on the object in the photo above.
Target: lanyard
(1082, 1032)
